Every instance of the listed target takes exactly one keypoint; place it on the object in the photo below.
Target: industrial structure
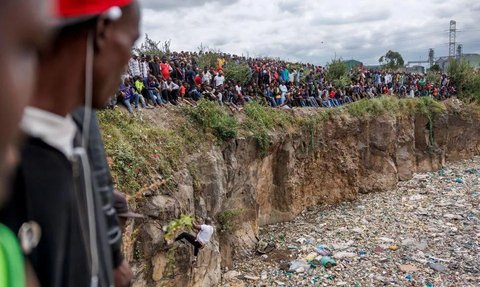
(452, 36)
(455, 51)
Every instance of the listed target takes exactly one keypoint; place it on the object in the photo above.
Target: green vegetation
(213, 118)
(229, 219)
(391, 60)
(139, 150)
(435, 68)
(237, 72)
(141, 153)
(467, 81)
(434, 78)
(430, 109)
(379, 106)
(208, 60)
(260, 120)
(337, 73)
(185, 222)
(152, 48)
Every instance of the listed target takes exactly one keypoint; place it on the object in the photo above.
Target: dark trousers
(192, 239)
(170, 96)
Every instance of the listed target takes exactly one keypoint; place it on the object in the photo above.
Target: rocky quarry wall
(333, 163)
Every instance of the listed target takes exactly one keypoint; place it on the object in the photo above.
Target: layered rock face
(326, 165)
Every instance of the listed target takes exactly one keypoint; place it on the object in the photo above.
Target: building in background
(472, 59)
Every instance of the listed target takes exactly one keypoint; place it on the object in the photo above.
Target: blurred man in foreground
(19, 43)
(54, 184)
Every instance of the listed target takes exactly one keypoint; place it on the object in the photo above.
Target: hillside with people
(319, 143)
(251, 142)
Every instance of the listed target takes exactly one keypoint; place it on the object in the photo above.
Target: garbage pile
(424, 233)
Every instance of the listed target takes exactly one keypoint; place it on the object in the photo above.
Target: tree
(465, 79)
(435, 68)
(391, 60)
(152, 48)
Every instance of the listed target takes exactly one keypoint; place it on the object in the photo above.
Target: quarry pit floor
(425, 232)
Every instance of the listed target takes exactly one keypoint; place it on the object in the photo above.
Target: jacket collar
(54, 130)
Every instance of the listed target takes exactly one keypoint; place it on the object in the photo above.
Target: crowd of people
(152, 81)
(59, 223)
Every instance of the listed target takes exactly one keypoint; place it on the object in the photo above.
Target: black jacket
(102, 183)
(50, 189)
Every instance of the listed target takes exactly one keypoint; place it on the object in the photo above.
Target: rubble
(426, 232)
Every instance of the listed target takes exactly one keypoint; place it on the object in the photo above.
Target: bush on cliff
(214, 118)
(260, 120)
(139, 152)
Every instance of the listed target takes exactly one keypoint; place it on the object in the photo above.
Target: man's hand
(122, 276)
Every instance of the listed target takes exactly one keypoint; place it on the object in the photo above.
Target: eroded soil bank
(244, 187)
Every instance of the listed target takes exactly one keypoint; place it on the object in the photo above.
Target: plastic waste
(298, 266)
(328, 262)
(323, 250)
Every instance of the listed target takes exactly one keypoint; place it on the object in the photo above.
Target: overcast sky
(314, 31)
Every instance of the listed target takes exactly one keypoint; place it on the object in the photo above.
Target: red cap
(81, 8)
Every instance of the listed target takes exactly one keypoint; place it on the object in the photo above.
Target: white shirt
(388, 78)
(205, 233)
(238, 89)
(207, 77)
(54, 130)
(172, 86)
(133, 67)
(219, 80)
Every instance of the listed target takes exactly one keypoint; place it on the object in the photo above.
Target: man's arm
(197, 227)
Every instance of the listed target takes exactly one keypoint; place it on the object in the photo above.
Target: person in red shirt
(165, 69)
(198, 80)
(183, 90)
(332, 93)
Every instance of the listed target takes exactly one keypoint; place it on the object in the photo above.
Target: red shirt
(198, 80)
(165, 70)
(182, 90)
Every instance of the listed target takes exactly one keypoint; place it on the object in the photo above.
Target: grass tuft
(214, 118)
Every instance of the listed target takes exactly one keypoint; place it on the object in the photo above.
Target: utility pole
(452, 38)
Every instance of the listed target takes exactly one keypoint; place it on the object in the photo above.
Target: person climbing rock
(204, 234)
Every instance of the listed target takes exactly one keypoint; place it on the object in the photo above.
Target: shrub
(260, 120)
(237, 72)
(430, 109)
(337, 73)
(464, 77)
(214, 118)
(133, 145)
(207, 59)
(229, 219)
(177, 225)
